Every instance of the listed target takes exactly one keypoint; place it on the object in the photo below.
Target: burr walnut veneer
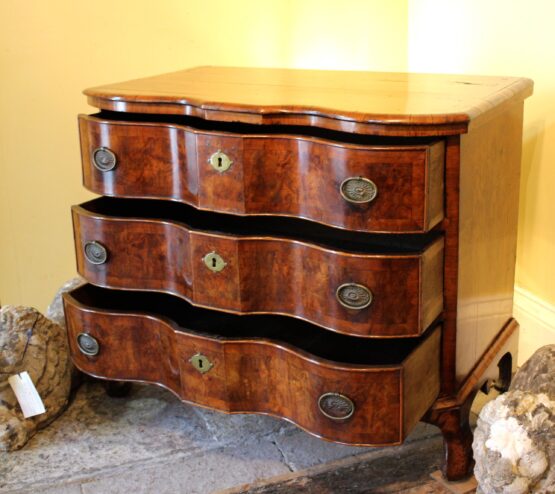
(333, 248)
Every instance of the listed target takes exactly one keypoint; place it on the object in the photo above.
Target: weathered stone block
(31, 342)
(514, 442)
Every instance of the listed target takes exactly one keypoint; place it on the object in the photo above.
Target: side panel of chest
(490, 158)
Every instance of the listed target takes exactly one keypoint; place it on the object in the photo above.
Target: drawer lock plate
(201, 363)
(220, 161)
(214, 262)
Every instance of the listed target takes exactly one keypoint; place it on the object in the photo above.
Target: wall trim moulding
(537, 322)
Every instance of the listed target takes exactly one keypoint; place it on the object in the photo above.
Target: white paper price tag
(26, 394)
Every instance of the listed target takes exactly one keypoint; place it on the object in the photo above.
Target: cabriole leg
(454, 423)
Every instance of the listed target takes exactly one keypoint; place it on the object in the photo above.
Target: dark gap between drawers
(252, 226)
(263, 129)
(279, 329)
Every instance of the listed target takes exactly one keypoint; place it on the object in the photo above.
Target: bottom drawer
(341, 388)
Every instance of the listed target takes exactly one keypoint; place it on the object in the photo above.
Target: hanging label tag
(26, 394)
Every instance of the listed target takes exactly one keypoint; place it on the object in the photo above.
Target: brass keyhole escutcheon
(220, 161)
(214, 262)
(201, 363)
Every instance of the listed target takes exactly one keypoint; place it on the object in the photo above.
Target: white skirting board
(537, 322)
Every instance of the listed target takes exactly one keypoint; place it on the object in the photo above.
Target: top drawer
(373, 188)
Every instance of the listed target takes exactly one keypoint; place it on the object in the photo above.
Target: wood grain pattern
(257, 374)
(415, 395)
(488, 216)
(454, 423)
(450, 266)
(361, 102)
(271, 174)
(452, 413)
(481, 216)
(294, 136)
(264, 274)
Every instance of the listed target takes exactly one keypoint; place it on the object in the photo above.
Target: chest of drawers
(333, 248)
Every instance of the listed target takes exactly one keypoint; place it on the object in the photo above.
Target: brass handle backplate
(104, 159)
(354, 296)
(201, 363)
(358, 190)
(214, 262)
(336, 406)
(87, 344)
(95, 252)
(220, 161)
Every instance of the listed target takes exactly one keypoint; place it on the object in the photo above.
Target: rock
(55, 311)
(31, 342)
(537, 375)
(514, 441)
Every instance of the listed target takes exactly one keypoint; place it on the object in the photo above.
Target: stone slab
(301, 450)
(59, 489)
(108, 443)
(396, 470)
(232, 428)
(98, 433)
(200, 473)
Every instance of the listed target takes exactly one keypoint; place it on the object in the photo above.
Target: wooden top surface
(368, 102)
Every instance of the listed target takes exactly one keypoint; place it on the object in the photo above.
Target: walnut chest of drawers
(333, 248)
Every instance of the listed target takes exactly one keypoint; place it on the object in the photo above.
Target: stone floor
(149, 442)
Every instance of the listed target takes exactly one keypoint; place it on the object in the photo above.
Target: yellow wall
(51, 50)
(501, 37)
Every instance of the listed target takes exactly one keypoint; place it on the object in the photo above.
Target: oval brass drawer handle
(336, 406)
(104, 159)
(87, 344)
(220, 161)
(354, 296)
(95, 252)
(358, 190)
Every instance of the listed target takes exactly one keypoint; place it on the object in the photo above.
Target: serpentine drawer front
(353, 293)
(371, 394)
(395, 188)
(336, 248)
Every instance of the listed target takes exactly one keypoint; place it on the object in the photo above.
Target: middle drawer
(156, 246)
